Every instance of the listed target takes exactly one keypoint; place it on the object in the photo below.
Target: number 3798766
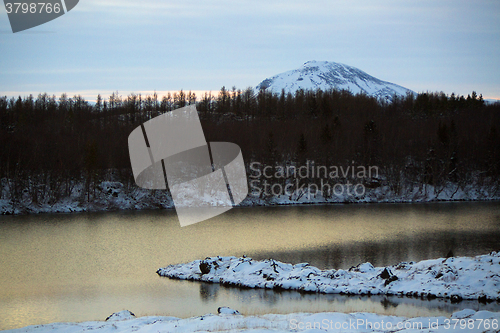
(32, 8)
(470, 324)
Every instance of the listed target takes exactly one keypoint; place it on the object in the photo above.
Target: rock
(431, 296)
(391, 279)
(122, 315)
(206, 266)
(363, 268)
(484, 299)
(455, 298)
(386, 274)
(226, 310)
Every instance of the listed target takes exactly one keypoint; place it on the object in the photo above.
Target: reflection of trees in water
(339, 303)
(208, 291)
(419, 247)
(386, 303)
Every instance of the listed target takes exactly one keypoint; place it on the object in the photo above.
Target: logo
(28, 14)
(205, 179)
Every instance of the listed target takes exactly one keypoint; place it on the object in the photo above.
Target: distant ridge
(328, 75)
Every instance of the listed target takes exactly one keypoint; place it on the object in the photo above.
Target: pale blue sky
(138, 46)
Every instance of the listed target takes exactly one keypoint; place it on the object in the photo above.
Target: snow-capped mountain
(326, 75)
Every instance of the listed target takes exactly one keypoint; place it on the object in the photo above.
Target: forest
(51, 144)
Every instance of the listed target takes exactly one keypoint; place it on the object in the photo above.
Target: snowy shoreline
(454, 278)
(124, 321)
(114, 196)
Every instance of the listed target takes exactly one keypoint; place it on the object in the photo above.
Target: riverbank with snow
(453, 278)
(113, 195)
(462, 321)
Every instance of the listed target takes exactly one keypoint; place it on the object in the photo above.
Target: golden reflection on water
(86, 266)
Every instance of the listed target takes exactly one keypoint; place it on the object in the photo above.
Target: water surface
(80, 267)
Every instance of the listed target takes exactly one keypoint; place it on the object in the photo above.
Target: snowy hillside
(326, 75)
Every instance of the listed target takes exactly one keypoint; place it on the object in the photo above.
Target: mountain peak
(314, 63)
(326, 75)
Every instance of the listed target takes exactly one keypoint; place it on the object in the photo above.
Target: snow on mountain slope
(327, 75)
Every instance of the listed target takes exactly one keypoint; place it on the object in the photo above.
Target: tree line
(50, 144)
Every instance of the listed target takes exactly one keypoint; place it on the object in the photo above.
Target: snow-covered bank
(462, 321)
(455, 278)
(114, 195)
(108, 196)
(383, 194)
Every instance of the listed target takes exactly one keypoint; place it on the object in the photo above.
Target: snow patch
(279, 323)
(224, 310)
(454, 278)
(122, 315)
